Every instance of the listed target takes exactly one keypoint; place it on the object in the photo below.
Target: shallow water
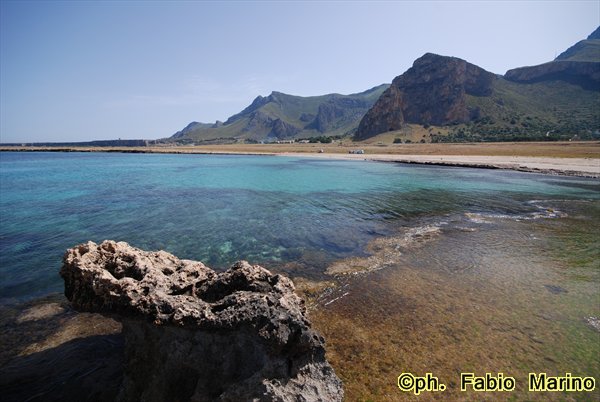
(494, 294)
(407, 268)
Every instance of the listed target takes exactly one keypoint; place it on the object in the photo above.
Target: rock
(432, 91)
(593, 322)
(385, 115)
(194, 334)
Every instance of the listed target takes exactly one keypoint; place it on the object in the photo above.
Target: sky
(86, 70)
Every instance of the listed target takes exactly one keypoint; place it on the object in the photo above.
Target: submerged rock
(194, 334)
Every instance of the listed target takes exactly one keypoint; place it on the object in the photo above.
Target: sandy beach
(558, 158)
(583, 167)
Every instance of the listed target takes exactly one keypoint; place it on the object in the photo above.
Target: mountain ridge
(452, 99)
(554, 100)
(281, 116)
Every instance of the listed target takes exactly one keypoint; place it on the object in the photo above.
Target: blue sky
(78, 71)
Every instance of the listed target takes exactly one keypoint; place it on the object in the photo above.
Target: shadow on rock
(83, 369)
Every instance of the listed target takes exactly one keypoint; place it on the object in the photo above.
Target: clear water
(295, 215)
(436, 269)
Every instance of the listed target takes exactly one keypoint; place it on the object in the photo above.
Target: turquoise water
(293, 215)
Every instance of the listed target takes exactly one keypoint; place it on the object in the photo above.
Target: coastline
(580, 159)
(579, 167)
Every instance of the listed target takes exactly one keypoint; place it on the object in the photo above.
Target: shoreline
(576, 167)
(580, 159)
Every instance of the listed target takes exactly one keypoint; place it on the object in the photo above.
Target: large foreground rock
(194, 334)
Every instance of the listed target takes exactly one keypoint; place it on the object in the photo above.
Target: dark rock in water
(194, 334)
(555, 289)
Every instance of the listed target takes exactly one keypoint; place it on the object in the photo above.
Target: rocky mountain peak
(595, 34)
(432, 91)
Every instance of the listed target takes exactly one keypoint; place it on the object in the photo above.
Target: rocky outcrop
(432, 91)
(194, 334)
(385, 115)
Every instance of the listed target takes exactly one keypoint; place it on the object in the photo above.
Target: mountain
(191, 127)
(433, 91)
(281, 116)
(579, 64)
(457, 101)
(585, 50)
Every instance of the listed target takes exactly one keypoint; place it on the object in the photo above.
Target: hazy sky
(77, 71)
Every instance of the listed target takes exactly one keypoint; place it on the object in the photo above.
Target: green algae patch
(498, 299)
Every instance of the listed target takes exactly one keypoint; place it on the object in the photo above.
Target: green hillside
(281, 116)
(548, 110)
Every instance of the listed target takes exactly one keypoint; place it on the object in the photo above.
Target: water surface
(406, 268)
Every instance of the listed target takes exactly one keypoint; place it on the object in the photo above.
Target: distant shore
(558, 158)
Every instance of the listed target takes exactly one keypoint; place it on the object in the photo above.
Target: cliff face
(432, 91)
(194, 334)
(385, 115)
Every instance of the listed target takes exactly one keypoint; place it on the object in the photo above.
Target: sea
(405, 267)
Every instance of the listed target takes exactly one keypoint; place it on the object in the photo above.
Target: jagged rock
(194, 334)
(432, 91)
